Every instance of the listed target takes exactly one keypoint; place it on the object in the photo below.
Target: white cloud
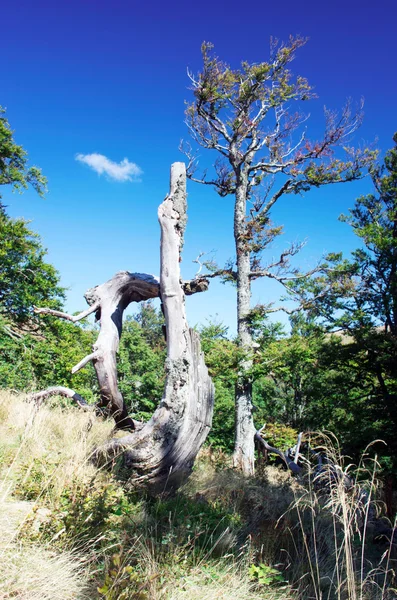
(123, 171)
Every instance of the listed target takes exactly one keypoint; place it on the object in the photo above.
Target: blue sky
(83, 77)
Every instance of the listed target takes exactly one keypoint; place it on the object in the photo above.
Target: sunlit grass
(71, 530)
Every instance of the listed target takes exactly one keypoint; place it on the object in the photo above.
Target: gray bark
(108, 301)
(161, 452)
(244, 446)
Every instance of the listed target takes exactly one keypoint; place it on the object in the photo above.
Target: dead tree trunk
(108, 301)
(163, 450)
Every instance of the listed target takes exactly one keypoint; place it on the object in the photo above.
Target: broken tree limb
(162, 451)
(324, 475)
(62, 315)
(59, 390)
(84, 362)
(298, 447)
(109, 301)
(289, 462)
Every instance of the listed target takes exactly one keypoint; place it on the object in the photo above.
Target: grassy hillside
(71, 530)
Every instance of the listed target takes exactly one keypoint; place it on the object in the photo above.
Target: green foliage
(221, 359)
(152, 322)
(284, 367)
(36, 352)
(281, 436)
(140, 365)
(311, 380)
(25, 278)
(358, 296)
(38, 360)
(203, 521)
(265, 575)
(84, 509)
(123, 581)
(14, 169)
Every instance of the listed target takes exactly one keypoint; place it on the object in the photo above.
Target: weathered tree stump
(160, 452)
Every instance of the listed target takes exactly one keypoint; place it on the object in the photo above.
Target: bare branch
(285, 278)
(66, 392)
(84, 361)
(73, 318)
(297, 447)
(285, 188)
(197, 261)
(228, 273)
(292, 466)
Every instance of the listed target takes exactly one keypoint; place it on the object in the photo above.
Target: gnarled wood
(109, 301)
(163, 450)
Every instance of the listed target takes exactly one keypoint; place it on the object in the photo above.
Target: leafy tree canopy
(14, 168)
(25, 278)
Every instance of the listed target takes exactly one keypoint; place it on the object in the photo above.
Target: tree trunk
(244, 447)
(109, 301)
(161, 453)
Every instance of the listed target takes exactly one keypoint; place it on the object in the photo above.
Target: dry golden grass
(34, 573)
(45, 451)
(224, 583)
(56, 442)
(235, 522)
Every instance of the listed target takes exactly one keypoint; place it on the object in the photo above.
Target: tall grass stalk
(334, 508)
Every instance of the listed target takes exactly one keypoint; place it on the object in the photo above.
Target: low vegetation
(71, 530)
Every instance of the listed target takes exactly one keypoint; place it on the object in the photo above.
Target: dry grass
(34, 573)
(40, 451)
(223, 583)
(337, 513)
(198, 545)
(52, 443)
(45, 452)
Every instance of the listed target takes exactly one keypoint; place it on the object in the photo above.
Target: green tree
(221, 359)
(284, 366)
(358, 298)
(263, 154)
(25, 278)
(14, 168)
(153, 324)
(34, 353)
(140, 364)
(35, 360)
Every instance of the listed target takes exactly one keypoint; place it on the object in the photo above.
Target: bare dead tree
(163, 449)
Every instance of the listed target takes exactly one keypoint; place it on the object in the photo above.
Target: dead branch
(39, 397)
